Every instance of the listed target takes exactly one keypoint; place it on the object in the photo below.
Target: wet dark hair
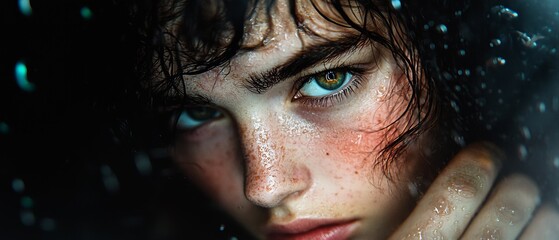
(191, 37)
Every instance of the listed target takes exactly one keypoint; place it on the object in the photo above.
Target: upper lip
(304, 225)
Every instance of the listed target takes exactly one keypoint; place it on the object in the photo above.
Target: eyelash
(330, 100)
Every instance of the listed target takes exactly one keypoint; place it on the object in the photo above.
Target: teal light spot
(4, 128)
(24, 7)
(21, 77)
(18, 185)
(86, 13)
(26, 202)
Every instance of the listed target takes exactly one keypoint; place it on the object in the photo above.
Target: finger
(544, 224)
(507, 211)
(454, 197)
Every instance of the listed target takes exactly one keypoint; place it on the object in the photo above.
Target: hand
(463, 203)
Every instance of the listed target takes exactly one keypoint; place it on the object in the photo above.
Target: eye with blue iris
(193, 117)
(326, 83)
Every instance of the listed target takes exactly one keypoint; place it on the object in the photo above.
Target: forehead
(273, 32)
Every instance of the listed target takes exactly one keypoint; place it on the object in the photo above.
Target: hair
(189, 37)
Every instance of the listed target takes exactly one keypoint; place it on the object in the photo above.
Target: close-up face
(287, 137)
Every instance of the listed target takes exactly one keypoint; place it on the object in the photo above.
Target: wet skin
(306, 148)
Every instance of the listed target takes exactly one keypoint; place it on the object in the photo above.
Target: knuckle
(517, 197)
(466, 182)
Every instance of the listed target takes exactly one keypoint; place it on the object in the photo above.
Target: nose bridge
(268, 174)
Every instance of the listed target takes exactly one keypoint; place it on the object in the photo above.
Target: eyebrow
(308, 57)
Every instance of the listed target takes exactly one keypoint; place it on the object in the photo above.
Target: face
(287, 137)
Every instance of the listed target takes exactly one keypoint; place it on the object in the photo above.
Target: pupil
(331, 80)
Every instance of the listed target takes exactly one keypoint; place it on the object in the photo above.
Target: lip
(312, 229)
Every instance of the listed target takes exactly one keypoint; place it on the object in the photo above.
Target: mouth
(313, 229)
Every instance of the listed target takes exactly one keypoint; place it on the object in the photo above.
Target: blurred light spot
(495, 42)
(25, 7)
(454, 105)
(18, 185)
(143, 163)
(27, 217)
(496, 61)
(396, 4)
(109, 179)
(522, 152)
(504, 12)
(541, 107)
(234, 238)
(21, 77)
(432, 46)
(556, 162)
(526, 133)
(86, 13)
(221, 227)
(555, 103)
(4, 128)
(26, 202)
(442, 28)
(462, 52)
(48, 224)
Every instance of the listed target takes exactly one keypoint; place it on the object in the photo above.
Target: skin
(272, 158)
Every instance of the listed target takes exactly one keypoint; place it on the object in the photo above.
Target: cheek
(211, 163)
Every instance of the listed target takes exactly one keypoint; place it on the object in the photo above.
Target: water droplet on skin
(18, 185)
(25, 7)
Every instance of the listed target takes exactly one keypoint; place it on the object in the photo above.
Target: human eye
(191, 118)
(328, 87)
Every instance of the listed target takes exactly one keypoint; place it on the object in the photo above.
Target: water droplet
(522, 152)
(48, 224)
(496, 61)
(21, 77)
(222, 227)
(529, 41)
(432, 46)
(454, 105)
(26, 202)
(86, 13)
(504, 12)
(495, 42)
(4, 128)
(109, 179)
(17, 185)
(526, 133)
(541, 107)
(27, 217)
(462, 52)
(143, 163)
(396, 4)
(25, 7)
(556, 162)
(441, 28)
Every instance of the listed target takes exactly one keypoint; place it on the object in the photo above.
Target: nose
(272, 174)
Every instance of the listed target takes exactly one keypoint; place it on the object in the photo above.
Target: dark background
(79, 180)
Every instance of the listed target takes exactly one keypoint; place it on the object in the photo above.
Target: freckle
(356, 172)
(327, 154)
